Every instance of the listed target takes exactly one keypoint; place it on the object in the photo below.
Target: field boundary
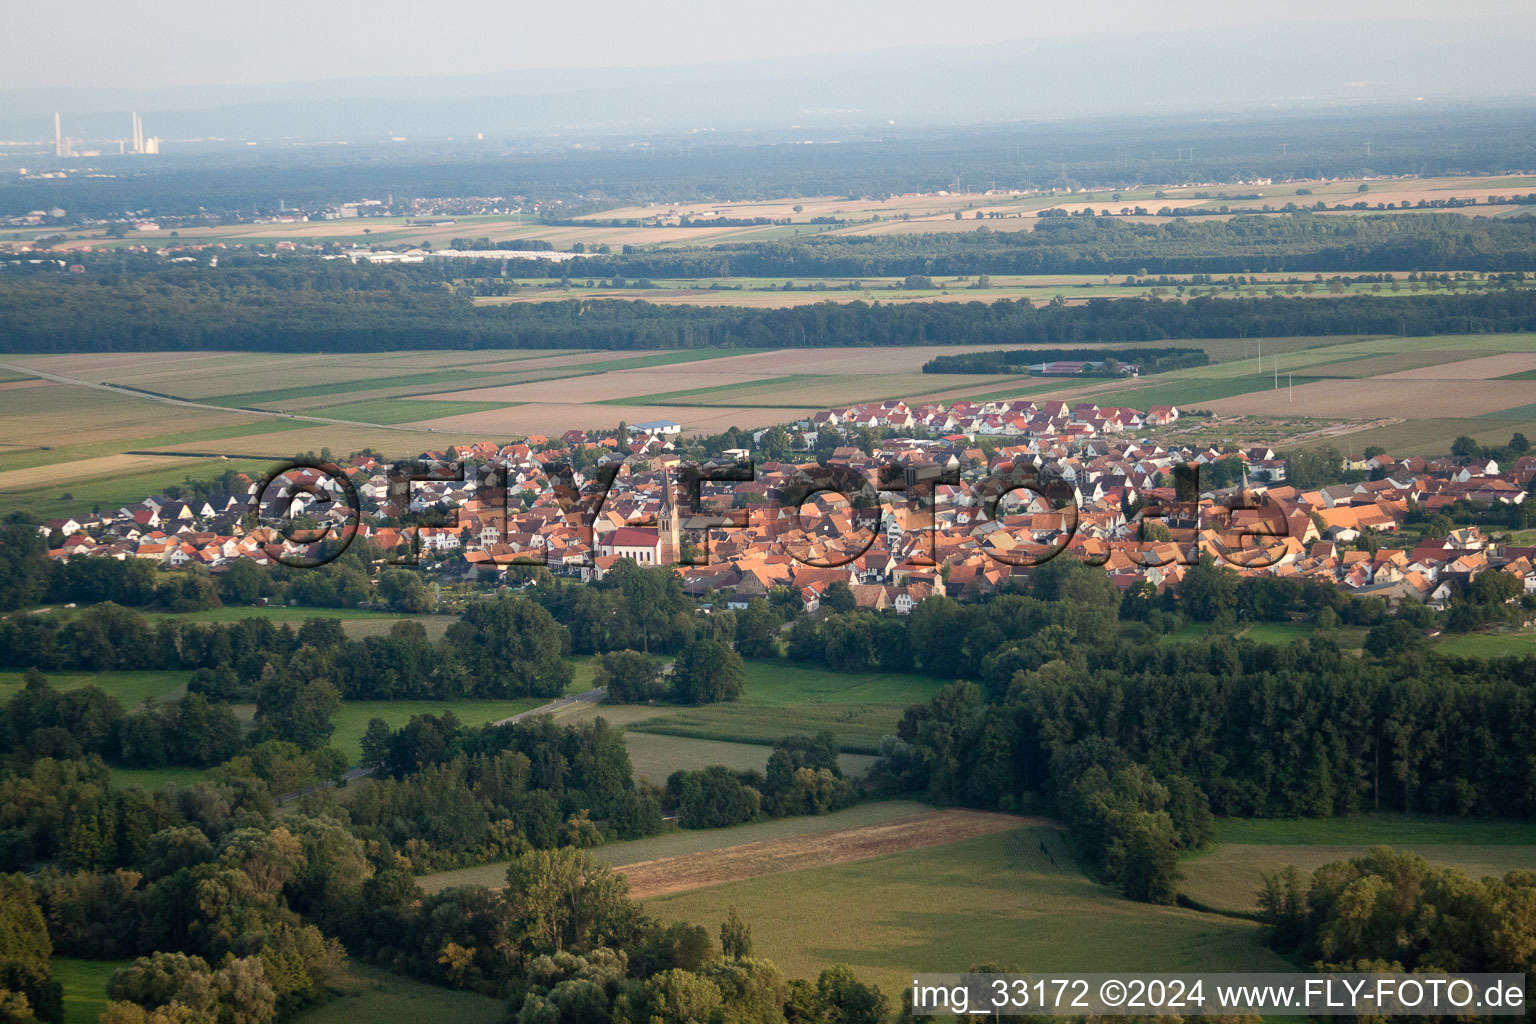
(666, 875)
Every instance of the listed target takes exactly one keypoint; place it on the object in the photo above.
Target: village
(986, 492)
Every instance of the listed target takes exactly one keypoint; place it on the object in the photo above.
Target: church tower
(669, 532)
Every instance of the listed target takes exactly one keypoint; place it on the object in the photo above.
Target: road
(591, 696)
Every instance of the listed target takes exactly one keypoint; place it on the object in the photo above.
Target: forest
(1292, 242)
(188, 308)
(1146, 360)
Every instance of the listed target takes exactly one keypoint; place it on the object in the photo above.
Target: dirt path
(775, 856)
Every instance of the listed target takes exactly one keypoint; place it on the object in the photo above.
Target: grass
(128, 687)
(781, 699)
(85, 986)
(1228, 876)
(114, 491)
(1488, 645)
(656, 755)
(1373, 830)
(992, 899)
(776, 684)
(152, 779)
(858, 727)
(1522, 375)
(356, 622)
(351, 719)
(685, 841)
(364, 995)
(1277, 634)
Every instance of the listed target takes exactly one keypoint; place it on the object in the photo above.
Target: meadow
(995, 899)
(128, 687)
(85, 986)
(358, 992)
(780, 699)
(1227, 877)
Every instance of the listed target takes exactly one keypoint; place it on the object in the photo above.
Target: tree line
(1146, 360)
(189, 308)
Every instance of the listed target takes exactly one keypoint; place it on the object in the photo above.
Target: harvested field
(1483, 368)
(666, 875)
(64, 472)
(1378, 396)
(536, 418)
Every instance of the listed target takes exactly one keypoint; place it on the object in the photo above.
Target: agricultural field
(992, 898)
(1228, 876)
(684, 842)
(667, 875)
(1410, 395)
(658, 224)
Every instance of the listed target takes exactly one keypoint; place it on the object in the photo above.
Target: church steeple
(669, 531)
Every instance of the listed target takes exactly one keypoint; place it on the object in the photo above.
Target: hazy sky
(152, 43)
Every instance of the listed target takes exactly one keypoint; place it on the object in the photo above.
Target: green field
(359, 995)
(686, 841)
(1227, 877)
(351, 719)
(156, 778)
(85, 986)
(782, 699)
(991, 899)
(370, 995)
(355, 622)
(128, 687)
(1374, 830)
(1488, 645)
(111, 492)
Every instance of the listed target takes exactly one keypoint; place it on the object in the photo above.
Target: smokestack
(58, 135)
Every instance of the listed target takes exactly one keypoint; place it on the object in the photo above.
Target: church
(661, 545)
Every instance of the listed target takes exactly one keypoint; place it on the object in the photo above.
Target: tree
(511, 647)
(757, 630)
(707, 671)
(629, 676)
(564, 899)
(735, 936)
(376, 741)
(838, 597)
(26, 973)
(404, 591)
